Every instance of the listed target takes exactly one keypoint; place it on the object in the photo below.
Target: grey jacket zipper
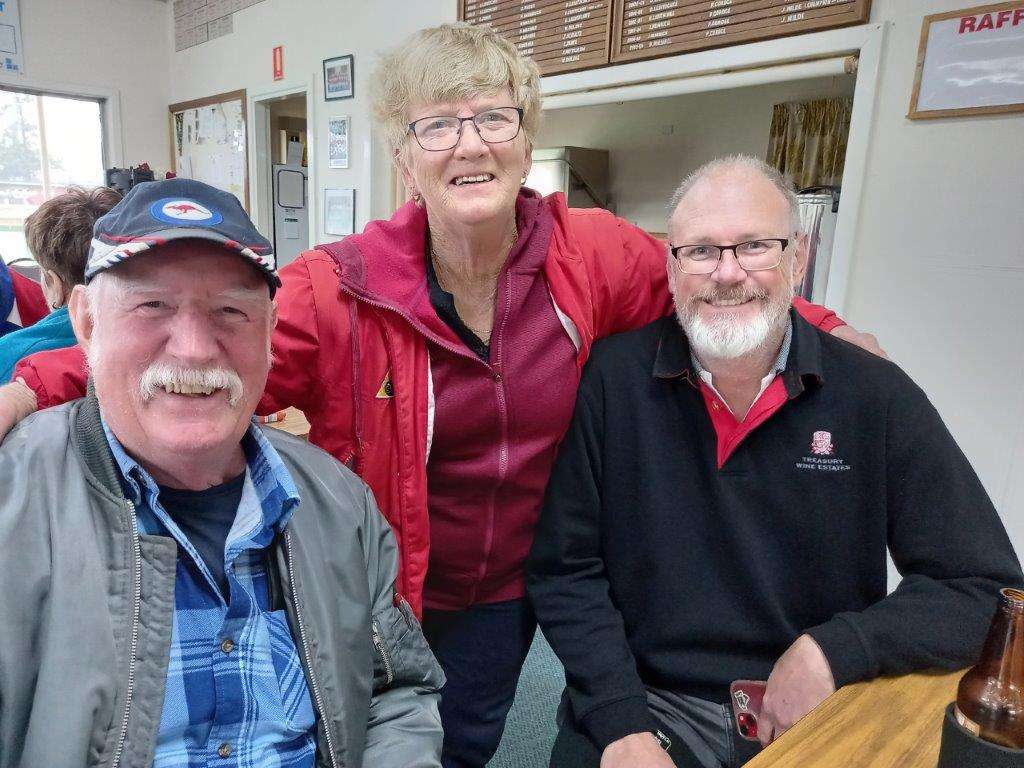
(133, 645)
(389, 670)
(305, 654)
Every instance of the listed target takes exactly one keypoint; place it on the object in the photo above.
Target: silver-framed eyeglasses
(441, 132)
(752, 255)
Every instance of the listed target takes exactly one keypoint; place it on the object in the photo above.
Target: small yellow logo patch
(386, 390)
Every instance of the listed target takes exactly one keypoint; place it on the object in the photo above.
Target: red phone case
(746, 697)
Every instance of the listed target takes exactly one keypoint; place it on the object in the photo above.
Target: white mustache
(714, 293)
(206, 381)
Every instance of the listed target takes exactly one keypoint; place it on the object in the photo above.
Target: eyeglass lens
(751, 256)
(493, 125)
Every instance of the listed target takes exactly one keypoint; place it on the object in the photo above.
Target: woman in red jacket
(438, 353)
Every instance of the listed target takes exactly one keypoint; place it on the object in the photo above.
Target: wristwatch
(663, 740)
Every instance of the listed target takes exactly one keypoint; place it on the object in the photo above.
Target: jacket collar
(385, 265)
(93, 447)
(672, 359)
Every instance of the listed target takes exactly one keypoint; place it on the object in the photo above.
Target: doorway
(283, 200)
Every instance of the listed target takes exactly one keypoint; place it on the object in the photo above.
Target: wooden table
(294, 423)
(892, 722)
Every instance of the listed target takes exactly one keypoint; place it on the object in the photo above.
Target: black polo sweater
(652, 566)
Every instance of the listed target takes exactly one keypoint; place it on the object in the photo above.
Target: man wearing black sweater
(724, 499)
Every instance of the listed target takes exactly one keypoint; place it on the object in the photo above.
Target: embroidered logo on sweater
(821, 444)
(822, 458)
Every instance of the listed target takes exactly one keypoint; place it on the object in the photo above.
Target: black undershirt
(206, 517)
(444, 304)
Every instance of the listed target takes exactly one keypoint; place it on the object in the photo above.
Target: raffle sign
(971, 62)
(12, 54)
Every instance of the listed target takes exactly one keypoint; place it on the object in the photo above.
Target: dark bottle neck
(1003, 653)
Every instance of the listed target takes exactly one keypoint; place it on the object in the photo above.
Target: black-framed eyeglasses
(442, 132)
(752, 255)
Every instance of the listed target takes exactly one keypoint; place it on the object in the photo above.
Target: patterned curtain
(808, 140)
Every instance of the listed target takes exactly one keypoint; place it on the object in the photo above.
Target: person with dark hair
(58, 235)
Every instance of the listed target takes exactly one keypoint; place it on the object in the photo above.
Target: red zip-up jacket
(349, 353)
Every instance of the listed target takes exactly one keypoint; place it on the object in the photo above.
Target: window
(47, 143)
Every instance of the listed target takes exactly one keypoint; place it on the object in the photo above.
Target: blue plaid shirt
(236, 694)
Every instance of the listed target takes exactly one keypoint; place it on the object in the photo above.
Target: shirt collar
(274, 485)
(777, 367)
(802, 357)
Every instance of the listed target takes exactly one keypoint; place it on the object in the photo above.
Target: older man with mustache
(722, 505)
(181, 587)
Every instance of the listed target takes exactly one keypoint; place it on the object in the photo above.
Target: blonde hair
(452, 62)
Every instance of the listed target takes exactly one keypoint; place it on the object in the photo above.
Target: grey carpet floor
(530, 730)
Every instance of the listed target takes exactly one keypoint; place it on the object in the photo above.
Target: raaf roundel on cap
(178, 210)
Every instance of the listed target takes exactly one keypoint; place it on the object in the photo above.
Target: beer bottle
(990, 699)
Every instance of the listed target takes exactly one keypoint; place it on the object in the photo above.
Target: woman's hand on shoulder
(861, 339)
(16, 402)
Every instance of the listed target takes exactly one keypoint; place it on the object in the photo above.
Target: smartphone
(747, 697)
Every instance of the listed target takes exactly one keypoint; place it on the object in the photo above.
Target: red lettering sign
(999, 20)
(279, 62)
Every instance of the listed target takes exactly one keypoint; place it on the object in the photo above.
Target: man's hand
(800, 681)
(638, 750)
(863, 340)
(16, 402)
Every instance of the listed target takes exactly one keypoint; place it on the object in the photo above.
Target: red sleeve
(817, 315)
(642, 287)
(56, 376)
(293, 379)
(28, 297)
(626, 271)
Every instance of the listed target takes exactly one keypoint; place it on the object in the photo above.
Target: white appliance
(580, 173)
(291, 212)
(818, 214)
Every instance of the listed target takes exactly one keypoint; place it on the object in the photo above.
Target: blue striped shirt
(236, 694)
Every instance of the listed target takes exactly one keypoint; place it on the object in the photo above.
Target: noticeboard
(208, 142)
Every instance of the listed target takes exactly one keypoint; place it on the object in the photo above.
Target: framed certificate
(339, 78)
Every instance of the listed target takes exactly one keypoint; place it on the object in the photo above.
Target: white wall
(310, 32)
(655, 142)
(939, 266)
(118, 46)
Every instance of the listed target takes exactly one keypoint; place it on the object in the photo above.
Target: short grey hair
(777, 179)
(452, 62)
(94, 298)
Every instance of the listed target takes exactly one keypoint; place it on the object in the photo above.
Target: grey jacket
(86, 605)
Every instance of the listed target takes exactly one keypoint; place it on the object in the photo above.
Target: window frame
(109, 100)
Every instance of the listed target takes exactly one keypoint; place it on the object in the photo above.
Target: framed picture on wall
(339, 78)
(338, 141)
(969, 62)
(339, 211)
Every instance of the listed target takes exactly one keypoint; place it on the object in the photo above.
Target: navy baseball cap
(155, 213)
